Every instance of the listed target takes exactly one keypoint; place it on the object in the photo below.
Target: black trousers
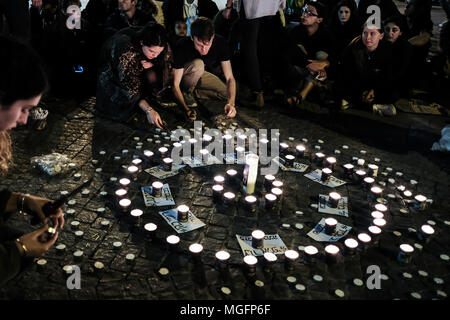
(17, 16)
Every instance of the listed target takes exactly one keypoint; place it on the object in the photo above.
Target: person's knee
(196, 67)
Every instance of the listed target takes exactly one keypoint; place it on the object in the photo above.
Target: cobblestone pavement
(77, 133)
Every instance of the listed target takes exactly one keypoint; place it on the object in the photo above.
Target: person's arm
(421, 39)
(177, 76)
(153, 117)
(230, 108)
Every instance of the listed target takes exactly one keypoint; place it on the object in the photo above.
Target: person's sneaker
(190, 100)
(345, 105)
(384, 109)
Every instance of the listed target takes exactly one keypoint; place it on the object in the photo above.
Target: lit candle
(270, 259)
(365, 239)
(228, 198)
(330, 226)
(258, 239)
(151, 228)
(368, 182)
(172, 242)
(291, 257)
(124, 182)
(401, 188)
(330, 162)
(129, 258)
(230, 177)
(381, 207)
(425, 233)
(420, 202)
(332, 252)
(326, 173)
(407, 194)
(163, 151)
(372, 170)
(125, 205)
(405, 253)
(350, 246)
(78, 255)
(361, 162)
(182, 213)
(268, 179)
(133, 171)
(250, 172)
(136, 213)
(289, 160)
(157, 189)
(148, 156)
(333, 199)
(375, 193)
(377, 215)
(300, 151)
(250, 203)
(277, 184)
(283, 147)
(217, 193)
(222, 258)
(310, 254)
(318, 158)
(277, 192)
(375, 233)
(167, 164)
(120, 193)
(196, 251)
(348, 168)
(137, 163)
(379, 222)
(219, 179)
(359, 176)
(251, 261)
(270, 200)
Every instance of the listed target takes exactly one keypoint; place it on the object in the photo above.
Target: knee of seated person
(197, 66)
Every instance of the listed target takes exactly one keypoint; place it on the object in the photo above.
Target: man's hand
(230, 110)
(154, 118)
(35, 248)
(146, 64)
(315, 66)
(35, 204)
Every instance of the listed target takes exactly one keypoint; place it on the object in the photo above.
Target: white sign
(297, 166)
(181, 227)
(318, 233)
(159, 173)
(166, 199)
(341, 210)
(272, 243)
(332, 182)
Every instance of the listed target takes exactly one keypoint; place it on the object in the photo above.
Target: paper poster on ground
(297, 166)
(181, 227)
(333, 182)
(272, 243)
(318, 233)
(166, 199)
(341, 210)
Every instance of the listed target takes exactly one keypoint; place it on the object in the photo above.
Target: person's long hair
(22, 77)
(354, 17)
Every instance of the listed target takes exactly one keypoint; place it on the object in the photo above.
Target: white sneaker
(384, 109)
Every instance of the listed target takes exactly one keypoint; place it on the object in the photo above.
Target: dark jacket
(119, 20)
(173, 11)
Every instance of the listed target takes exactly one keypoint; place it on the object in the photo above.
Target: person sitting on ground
(134, 63)
(402, 53)
(366, 71)
(195, 58)
(126, 15)
(310, 49)
(22, 84)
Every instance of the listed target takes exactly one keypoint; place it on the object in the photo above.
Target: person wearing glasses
(311, 46)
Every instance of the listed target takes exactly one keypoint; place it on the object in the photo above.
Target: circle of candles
(377, 215)
(222, 258)
(258, 239)
(182, 213)
(372, 170)
(228, 198)
(333, 199)
(163, 152)
(120, 193)
(330, 226)
(420, 202)
(124, 182)
(348, 168)
(277, 184)
(167, 164)
(219, 179)
(290, 257)
(217, 192)
(405, 253)
(326, 173)
(365, 239)
(381, 207)
(368, 182)
(300, 151)
(318, 158)
(359, 176)
(331, 162)
(250, 203)
(379, 222)
(350, 246)
(425, 232)
(332, 252)
(310, 253)
(157, 189)
(375, 193)
(250, 261)
(277, 192)
(230, 177)
(289, 160)
(268, 180)
(270, 200)
(125, 204)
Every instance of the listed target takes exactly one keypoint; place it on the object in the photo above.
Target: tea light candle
(219, 179)
(125, 205)
(78, 255)
(196, 251)
(332, 252)
(350, 246)
(99, 266)
(420, 202)
(230, 177)
(148, 155)
(284, 147)
(318, 158)
(300, 151)
(41, 264)
(129, 258)
(289, 160)
(117, 245)
(425, 232)
(291, 257)
(330, 226)
(251, 261)
(379, 222)
(172, 242)
(372, 170)
(222, 258)
(268, 180)
(75, 224)
(277, 192)
(167, 164)
(333, 199)
(359, 176)
(217, 193)
(381, 207)
(365, 239)
(250, 203)
(228, 198)
(85, 193)
(375, 233)
(258, 239)
(157, 189)
(361, 162)
(330, 162)
(368, 182)
(77, 176)
(151, 230)
(326, 173)
(133, 171)
(163, 151)
(137, 213)
(277, 184)
(137, 162)
(124, 182)
(310, 254)
(60, 248)
(407, 194)
(105, 223)
(377, 215)
(270, 200)
(270, 259)
(250, 172)
(405, 253)
(375, 193)
(182, 213)
(348, 168)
